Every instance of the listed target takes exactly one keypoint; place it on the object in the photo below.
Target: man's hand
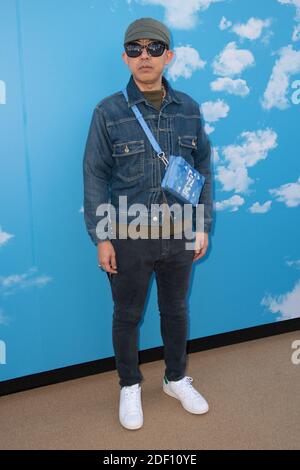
(201, 245)
(107, 256)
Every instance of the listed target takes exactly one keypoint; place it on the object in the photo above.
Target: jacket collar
(135, 95)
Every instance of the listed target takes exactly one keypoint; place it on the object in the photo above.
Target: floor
(253, 390)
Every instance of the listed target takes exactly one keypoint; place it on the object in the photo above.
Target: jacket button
(126, 149)
(193, 142)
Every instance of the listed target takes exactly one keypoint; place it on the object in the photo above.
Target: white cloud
(233, 87)
(224, 24)
(4, 237)
(214, 110)
(252, 30)
(295, 3)
(254, 149)
(288, 305)
(258, 208)
(215, 155)
(295, 263)
(266, 37)
(288, 193)
(232, 61)
(2, 92)
(255, 146)
(234, 179)
(287, 65)
(185, 62)
(296, 33)
(233, 204)
(181, 14)
(209, 129)
(14, 282)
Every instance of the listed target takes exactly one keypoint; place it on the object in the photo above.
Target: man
(120, 161)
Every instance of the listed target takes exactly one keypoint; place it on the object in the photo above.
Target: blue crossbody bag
(180, 178)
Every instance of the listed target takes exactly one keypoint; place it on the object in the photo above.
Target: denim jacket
(120, 161)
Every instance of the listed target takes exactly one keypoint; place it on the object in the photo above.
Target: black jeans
(136, 261)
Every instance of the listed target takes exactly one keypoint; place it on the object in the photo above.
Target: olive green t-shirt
(155, 97)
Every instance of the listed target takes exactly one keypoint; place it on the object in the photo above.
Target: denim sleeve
(202, 159)
(97, 171)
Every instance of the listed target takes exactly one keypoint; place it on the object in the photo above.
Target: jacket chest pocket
(129, 158)
(187, 144)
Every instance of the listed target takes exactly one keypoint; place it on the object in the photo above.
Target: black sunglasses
(155, 49)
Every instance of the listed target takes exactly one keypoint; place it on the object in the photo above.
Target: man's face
(145, 68)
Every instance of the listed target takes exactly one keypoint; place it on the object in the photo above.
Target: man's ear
(170, 55)
(125, 58)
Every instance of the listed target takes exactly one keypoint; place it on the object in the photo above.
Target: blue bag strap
(148, 132)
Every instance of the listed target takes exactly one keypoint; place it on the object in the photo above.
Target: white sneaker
(189, 397)
(130, 409)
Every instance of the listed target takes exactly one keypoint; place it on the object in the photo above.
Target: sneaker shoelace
(186, 388)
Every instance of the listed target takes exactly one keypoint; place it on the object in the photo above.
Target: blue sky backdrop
(241, 61)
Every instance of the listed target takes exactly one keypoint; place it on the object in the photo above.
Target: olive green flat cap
(147, 28)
